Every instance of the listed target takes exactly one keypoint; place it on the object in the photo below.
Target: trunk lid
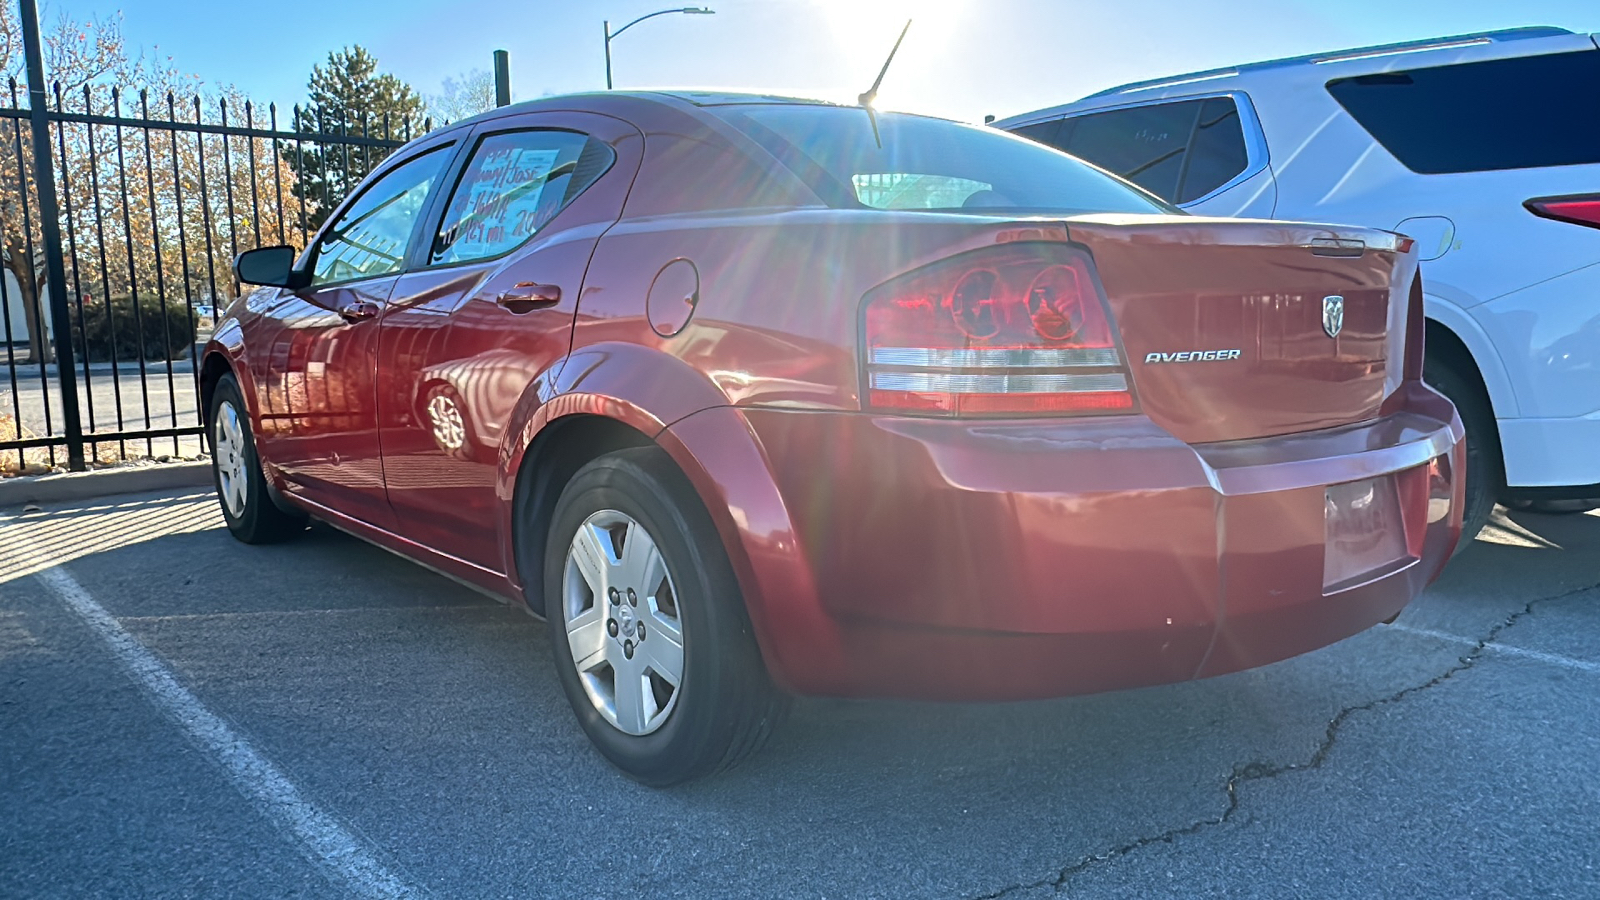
(1223, 322)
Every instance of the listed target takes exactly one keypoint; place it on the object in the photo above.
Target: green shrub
(156, 334)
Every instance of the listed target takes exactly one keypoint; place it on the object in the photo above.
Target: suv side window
(1217, 153)
(1043, 132)
(1179, 151)
(1518, 113)
(370, 237)
(1144, 144)
(515, 182)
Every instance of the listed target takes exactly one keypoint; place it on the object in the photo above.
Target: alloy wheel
(622, 622)
(232, 471)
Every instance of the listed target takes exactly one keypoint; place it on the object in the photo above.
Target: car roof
(733, 98)
(1353, 53)
(603, 100)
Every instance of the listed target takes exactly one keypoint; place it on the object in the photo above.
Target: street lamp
(687, 10)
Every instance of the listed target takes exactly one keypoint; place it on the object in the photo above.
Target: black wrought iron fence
(120, 215)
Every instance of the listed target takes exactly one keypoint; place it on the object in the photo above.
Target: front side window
(370, 238)
(1519, 113)
(514, 183)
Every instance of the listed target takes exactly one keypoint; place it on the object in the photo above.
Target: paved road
(37, 403)
(184, 715)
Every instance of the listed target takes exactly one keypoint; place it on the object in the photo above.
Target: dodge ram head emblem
(1332, 314)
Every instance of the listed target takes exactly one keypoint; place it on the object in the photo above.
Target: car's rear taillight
(1019, 330)
(1579, 209)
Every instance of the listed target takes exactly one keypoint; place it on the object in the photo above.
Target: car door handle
(358, 310)
(528, 296)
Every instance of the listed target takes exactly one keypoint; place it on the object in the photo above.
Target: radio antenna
(866, 100)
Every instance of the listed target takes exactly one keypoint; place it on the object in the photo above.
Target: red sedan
(751, 396)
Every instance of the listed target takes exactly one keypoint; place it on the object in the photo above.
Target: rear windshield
(930, 164)
(1520, 113)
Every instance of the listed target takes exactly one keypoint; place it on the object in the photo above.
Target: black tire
(257, 520)
(725, 705)
(1484, 478)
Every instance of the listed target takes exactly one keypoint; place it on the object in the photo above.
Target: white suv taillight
(1014, 330)
(1579, 209)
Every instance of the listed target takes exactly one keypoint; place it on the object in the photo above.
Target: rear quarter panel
(776, 323)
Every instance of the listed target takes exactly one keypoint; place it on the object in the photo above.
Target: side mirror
(271, 266)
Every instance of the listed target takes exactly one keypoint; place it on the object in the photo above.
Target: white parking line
(255, 777)
(1566, 662)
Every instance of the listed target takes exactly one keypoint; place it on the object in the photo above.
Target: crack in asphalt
(1261, 771)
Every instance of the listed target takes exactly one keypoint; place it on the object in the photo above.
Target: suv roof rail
(1440, 43)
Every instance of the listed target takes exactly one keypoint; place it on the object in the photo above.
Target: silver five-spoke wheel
(242, 490)
(622, 622)
(232, 472)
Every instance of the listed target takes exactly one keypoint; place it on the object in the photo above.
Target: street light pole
(687, 10)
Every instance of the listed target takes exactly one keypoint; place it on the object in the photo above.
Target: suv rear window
(1519, 113)
(928, 164)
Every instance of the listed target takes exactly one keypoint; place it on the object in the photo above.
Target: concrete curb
(119, 480)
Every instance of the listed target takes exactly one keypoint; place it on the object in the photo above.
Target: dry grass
(36, 460)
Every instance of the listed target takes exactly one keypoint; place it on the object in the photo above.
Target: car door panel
(318, 420)
(455, 361)
(317, 409)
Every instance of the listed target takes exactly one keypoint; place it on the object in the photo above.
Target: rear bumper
(1002, 560)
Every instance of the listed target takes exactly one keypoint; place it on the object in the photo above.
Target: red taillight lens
(1015, 330)
(1579, 209)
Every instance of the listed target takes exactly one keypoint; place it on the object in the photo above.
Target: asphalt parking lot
(184, 715)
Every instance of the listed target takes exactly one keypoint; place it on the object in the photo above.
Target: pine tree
(348, 97)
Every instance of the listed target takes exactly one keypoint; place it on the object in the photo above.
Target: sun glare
(864, 32)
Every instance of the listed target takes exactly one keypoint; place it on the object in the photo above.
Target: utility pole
(687, 10)
(502, 78)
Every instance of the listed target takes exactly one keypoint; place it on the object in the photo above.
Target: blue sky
(962, 58)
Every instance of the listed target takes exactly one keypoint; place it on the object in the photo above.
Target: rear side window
(515, 182)
(1178, 151)
(1043, 132)
(1144, 144)
(1217, 153)
(1518, 113)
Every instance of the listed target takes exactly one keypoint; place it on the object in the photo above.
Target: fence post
(50, 229)
(502, 78)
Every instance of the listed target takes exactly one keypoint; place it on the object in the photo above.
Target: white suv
(1485, 148)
